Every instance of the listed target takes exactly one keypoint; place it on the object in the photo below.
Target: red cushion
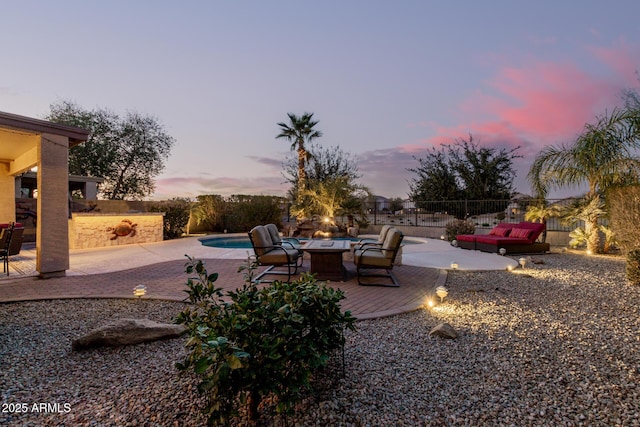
(521, 233)
(501, 241)
(500, 231)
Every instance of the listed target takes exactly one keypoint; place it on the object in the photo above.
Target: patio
(114, 272)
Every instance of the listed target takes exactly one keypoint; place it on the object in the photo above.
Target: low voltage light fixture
(522, 261)
(454, 265)
(502, 251)
(442, 292)
(139, 291)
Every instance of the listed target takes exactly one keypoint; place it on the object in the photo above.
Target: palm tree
(300, 131)
(604, 154)
(541, 213)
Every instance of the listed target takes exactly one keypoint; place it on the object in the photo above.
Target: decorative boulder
(127, 331)
(444, 330)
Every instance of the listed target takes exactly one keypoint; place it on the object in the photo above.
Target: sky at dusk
(387, 80)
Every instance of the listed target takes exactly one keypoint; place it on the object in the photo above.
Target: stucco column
(52, 236)
(7, 194)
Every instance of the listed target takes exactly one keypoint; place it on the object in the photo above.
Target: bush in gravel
(259, 343)
(459, 226)
(176, 216)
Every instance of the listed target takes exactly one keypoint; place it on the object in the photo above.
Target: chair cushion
(371, 258)
(521, 233)
(261, 240)
(466, 237)
(274, 233)
(502, 231)
(391, 242)
(501, 241)
(279, 256)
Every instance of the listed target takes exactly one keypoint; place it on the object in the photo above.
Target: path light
(454, 265)
(442, 292)
(139, 291)
(442, 237)
(510, 267)
(522, 261)
(502, 251)
(454, 243)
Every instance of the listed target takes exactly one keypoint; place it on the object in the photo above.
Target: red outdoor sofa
(514, 238)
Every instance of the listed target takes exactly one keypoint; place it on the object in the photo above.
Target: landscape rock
(444, 330)
(126, 332)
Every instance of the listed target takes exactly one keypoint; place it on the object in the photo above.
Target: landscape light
(139, 291)
(454, 243)
(442, 237)
(442, 292)
(454, 265)
(502, 251)
(522, 261)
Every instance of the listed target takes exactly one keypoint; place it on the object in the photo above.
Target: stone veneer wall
(90, 230)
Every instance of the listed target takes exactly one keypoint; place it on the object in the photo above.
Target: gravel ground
(554, 344)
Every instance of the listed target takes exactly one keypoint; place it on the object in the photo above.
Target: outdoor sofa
(514, 238)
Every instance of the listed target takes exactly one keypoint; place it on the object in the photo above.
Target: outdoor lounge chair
(269, 253)
(370, 242)
(514, 238)
(379, 258)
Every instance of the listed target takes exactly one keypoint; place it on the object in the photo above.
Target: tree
(323, 164)
(128, 152)
(298, 132)
(602, 156)
(436, 180)
(541, 213)
(464, 170)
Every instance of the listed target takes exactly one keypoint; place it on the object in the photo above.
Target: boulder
(126, 332)
(444, 330)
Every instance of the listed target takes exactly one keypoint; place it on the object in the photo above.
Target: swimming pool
(243, 242)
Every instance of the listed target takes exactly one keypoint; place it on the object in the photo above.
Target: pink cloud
(542, 102)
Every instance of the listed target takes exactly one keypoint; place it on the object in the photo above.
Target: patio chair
(370, 242)
(287, 242)
(5, 244)
(273, 255)
(379, 258)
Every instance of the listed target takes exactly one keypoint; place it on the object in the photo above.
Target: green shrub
(237, 213)
(459, 226)
(261, 342)
(176, 216)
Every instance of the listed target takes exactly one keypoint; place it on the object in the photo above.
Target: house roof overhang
(20, 135)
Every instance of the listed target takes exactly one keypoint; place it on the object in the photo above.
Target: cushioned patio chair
(287, 242)
(379, 258)
(5, 245)
(371, 242)
(273, 255)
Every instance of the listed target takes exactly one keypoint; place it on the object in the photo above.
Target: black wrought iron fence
(484, 213)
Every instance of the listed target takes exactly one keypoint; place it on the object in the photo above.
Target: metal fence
(484, 213)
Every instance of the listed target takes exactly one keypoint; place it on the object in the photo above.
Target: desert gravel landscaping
(554, 344)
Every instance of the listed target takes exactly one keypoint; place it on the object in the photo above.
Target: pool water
(243, 242)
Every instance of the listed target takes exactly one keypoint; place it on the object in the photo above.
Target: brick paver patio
(167, 280)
